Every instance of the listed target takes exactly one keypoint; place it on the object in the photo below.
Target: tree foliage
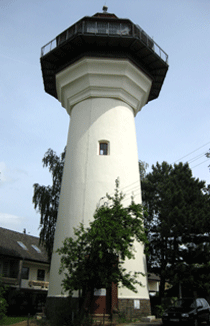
(178, 225)
(208, 155)
(46, 198)
(95, 257)
(143, 169)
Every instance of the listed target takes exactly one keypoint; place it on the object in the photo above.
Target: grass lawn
(12, 320)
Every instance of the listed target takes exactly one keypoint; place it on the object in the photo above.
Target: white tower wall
(102, 97)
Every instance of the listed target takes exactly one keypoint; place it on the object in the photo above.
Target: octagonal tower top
(104, 35)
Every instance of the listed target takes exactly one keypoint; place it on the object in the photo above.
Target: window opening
(103, 148)
(36, 248)
(10, 268)
(22, 245)
(25, 273)
(6, 269)
(40, 275)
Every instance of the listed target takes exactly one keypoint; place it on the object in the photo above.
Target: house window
(103, 148)
(22, 245)
(10, 268)
(6, 269)
(36, 248)
(40, 275)
(25, 273)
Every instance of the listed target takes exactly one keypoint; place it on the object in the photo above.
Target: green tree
(143, 166)
(208, 155)
(46, 199)
(177, 224)
(208, 186)
(94, 257)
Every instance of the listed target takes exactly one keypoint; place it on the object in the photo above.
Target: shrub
(3, 302)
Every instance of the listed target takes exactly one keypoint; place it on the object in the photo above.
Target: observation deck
(104, 35)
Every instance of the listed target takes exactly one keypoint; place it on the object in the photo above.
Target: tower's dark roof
(10, 246)
(104, 35)
(105, 15)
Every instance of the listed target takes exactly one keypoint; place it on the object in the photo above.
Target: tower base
(61, 310)
(134, 308)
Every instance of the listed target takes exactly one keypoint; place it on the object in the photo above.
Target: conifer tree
(177, 225)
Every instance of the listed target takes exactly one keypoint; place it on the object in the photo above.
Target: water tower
(102, 70)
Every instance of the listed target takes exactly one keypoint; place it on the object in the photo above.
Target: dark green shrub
(166, 302)
(3, 302)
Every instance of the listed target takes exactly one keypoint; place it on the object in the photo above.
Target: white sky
(169, 128)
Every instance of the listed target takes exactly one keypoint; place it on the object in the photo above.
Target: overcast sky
(168, 128)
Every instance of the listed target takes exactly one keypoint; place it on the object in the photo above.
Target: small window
(36, 248)
(22, 245)
(25, 273)
(6, 269)
(103, 148)
(40, 275)
(10, 268)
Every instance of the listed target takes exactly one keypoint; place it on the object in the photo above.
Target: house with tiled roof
(24, 268)
(153, 283)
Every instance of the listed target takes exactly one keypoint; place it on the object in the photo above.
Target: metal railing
(96, 27)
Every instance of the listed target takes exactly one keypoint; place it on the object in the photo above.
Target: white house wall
(32, 282)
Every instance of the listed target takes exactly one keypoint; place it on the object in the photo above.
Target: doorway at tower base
(60, 310)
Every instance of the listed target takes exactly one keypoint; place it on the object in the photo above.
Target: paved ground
(22, 323)
(153, 323)
(25, 323)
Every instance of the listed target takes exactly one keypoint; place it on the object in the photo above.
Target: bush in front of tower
(94, 258)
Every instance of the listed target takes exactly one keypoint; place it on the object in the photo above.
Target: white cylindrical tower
(103, 74)
(102, 97)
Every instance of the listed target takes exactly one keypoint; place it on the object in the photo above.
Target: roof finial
(105, 8)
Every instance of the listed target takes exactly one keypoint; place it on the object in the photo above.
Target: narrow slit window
(103, 148)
